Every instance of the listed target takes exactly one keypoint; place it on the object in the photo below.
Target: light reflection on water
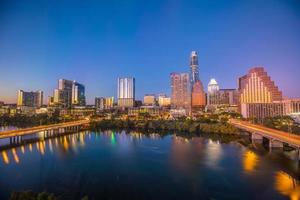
(287, 185)
(250, 161)
(188, 159)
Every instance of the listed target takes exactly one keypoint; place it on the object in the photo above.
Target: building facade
(69, 93)
(164, 101)
(180, 87)
(276, 108)
(30, 99)
(126, 92)
(194, 68)
(257, 87)
(212, 92)
(104, 103)
(198, 96)
(149, 100)
(78, 94)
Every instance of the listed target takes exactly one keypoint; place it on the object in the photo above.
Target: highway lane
(282, 136)
(26, 131)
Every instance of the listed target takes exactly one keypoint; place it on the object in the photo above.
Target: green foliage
(27, 121)
(284, 123)
(188, 126)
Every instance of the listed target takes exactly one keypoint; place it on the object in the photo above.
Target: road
(291, 139)
(27, 131)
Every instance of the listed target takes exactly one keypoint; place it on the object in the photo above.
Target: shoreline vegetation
(185, 126)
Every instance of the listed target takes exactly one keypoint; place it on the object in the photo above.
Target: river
(110, 165)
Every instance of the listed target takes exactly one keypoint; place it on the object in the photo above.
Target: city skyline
(95, 47)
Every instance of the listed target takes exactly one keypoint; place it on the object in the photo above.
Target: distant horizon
(94, 43)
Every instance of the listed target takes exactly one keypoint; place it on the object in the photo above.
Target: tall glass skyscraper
(126, 92)
(69, 93)
(78, 94)
(198, 100)
(213, 90)
(194, 68)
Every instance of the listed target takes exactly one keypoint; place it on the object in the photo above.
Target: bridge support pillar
(256, 138)
(275, 144)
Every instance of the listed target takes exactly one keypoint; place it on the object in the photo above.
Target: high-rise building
(149, 99)
(194, 71)
(198, 95)
(30, 99)
(104, 103)
(126, 92)
(78, 94)
(198, 99)
(69, 93)
(257, 87)
(163, 100)
(180, 86)
(212, 90)
(227, 97)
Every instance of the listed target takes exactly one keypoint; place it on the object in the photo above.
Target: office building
(104, 103)
(164, 101)
(69, 93)
(273, 109)
(257, 87)
(194, 68)
(126, 92)
(30, 99)
(212, 92)
(78, 94)
(180, 88)
(149, 100)
(198, 96)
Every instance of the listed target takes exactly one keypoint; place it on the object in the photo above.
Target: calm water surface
(113, 165)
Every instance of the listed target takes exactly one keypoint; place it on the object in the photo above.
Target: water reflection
(250, 161)
(66, 143)
(15, 155)
(196, 163)
(5, 157)
(213, 153)
(287, 185)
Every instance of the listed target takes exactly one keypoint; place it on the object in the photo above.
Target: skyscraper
(257, 87)
(69, 93)
(78, 94)
(196, 87)
(180, 86)
(126, 92)
(104, 103)
(198, 95)
(213, 92)
(194, 69)
(30, 99)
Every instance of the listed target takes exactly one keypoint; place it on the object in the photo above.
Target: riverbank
(173, 126)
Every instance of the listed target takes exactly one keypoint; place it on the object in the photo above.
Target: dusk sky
(94, 42)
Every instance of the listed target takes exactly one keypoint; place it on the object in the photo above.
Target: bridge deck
(27, 131)
(285, 137)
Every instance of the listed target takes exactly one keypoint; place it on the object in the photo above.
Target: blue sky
(94, 42)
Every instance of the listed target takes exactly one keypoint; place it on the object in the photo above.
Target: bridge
(276, 138)
(15, 136)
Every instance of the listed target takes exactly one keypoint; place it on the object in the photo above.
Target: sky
(95, 42)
